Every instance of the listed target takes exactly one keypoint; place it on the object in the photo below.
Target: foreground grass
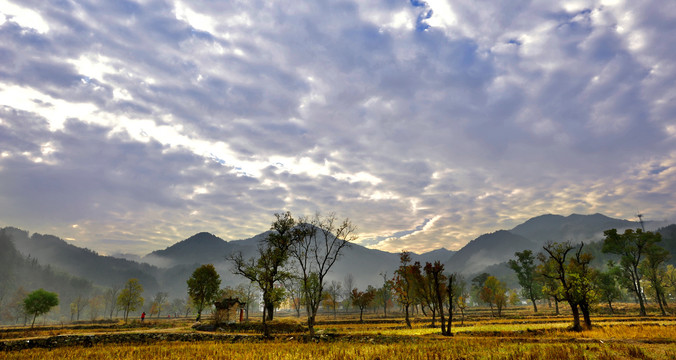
(427, 349)
(521, 335)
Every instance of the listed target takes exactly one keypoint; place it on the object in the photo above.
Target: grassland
(518, 335)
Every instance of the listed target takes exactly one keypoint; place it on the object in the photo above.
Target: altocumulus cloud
(427, 123)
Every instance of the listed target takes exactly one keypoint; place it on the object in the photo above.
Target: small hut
(229, 310)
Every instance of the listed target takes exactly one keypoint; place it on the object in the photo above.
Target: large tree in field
(524, 266)
(39, 302)
(203, 287)
(631, 246)
(573, 280)
(268, 269)
(318, 244)
(130, 297)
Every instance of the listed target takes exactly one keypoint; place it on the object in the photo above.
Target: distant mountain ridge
(500, 246)
(168, 269)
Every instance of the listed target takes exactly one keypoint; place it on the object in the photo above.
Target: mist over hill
(168, 269)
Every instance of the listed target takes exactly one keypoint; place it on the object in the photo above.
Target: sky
(129, 125)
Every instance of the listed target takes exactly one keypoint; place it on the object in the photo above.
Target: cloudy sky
(129, 125)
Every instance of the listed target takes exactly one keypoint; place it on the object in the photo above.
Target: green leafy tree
(631, 246)
(203, 287)
(653, 267)
(268, 269)
(130, 297)
(670, 278)
(571, 278)
(525, 267)
(609, 290)
(39, 302)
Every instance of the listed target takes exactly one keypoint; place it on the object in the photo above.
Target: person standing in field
(143, 316)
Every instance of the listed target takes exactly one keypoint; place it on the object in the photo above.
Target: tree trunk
(638, 291)
(586, 317)
(610, 305)
(361, 313)
(576, 317)
(311, 325)
(660, 301)
(556, 307)
(535, 306)
(266, 331)
(270, 310)
(408, 321)
(450, 322)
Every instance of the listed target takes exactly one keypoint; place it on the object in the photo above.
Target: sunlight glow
(26, 18)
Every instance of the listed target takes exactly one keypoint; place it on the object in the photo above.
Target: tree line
(293, 262)
(564, 274)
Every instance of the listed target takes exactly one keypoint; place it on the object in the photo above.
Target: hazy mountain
(171, 267)
(364, 264)
(201, 248)
(574, 228)
(20, 274)
(441, 255)
(486, 250)
(103, 270)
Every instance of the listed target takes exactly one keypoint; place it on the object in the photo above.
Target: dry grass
(431, 349)
(518, 335)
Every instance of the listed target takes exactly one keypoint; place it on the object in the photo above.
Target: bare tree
(385, 292)
(110, 297)
(160, 302)
(79, 303)
(334, 291)
(294, 292)
(348, 285)
(318, 244)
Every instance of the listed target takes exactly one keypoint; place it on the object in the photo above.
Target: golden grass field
(520, 334)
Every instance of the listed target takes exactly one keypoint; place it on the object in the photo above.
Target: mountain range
(169, 268)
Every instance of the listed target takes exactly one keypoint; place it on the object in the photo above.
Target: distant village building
(229, 310)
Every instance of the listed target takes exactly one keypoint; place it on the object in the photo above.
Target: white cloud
(24, 17)
(478, 117)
